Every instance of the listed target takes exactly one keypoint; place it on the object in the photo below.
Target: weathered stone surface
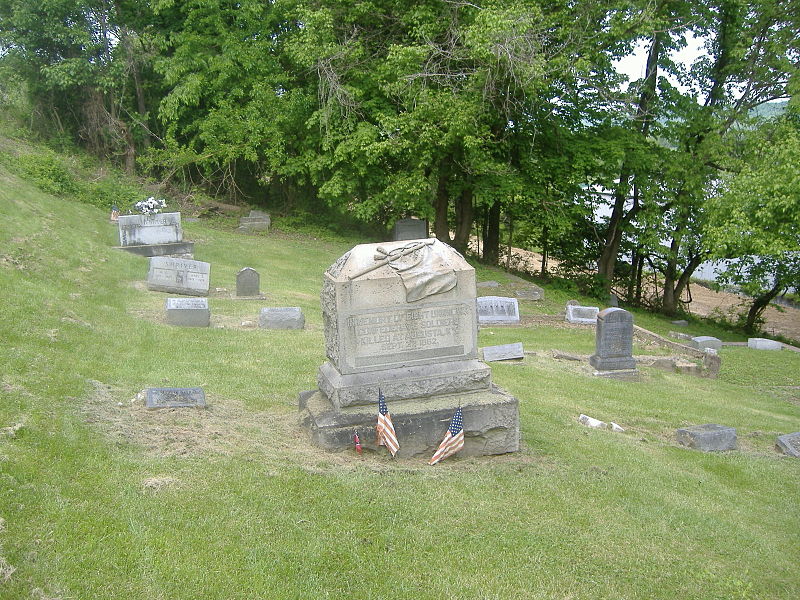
(789, 444)
(410, 229)
(175, 397)
(764, 344)
(140, 230)
(503, 352)
(613, 300)
(402, 383)
(182, 249)
(188, 312)
(255, 222)
(288, 317)
(530, 292)
(616, 428)
(178, 276)
(586, 315)
(248, 282)
(592, 422)
(613, 341)
(487, 284)
(493, 310)
(680, 323)
(680, 336)
(491, 423)
(706, 341)
(417, 308)
(708, 438)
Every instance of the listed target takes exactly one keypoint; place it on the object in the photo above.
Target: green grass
(101, 499)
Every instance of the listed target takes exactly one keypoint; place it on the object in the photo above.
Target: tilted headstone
(503, 352)
(401, 317)
(708, 438)
(613, 341)
(789, 444)
(497, 309)
(188, 312)
(585, 315)
(410, 229)
(178, 276)
(289, 317)
(175, 397)
(141, 230)
(764, 344)
(248, 282)
(703, 342)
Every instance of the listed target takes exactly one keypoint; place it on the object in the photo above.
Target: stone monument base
(172, 249)
(624, 374)
(453, 377)
(625, 363)
(491, 422)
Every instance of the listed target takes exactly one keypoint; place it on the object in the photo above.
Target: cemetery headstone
(706, 341)
(497, 310)
(487, 284)
(789, 444)
(289, 317)
(613, 341)
(248, 282)
(401, 317)
(708, 438)
(178, 276)
(410, 229)
(503, 352)
(254, 222)
(680, 323)
(153, 235)
(613, 300)
(764, 344)
(586, 315)
(188, 312)
(175, 398)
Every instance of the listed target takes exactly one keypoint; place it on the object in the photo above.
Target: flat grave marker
(188, 312)
(175, 398)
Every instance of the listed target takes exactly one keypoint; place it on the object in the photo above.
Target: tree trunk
(759, 306)
(491, 237)
(510, 240)
(607, 263)
(464, 216)
(440, 225)
(545, 249)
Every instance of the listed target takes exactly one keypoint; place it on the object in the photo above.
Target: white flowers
(151, 206)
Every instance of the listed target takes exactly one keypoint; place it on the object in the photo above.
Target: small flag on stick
(453, 440)
(357, 443)
(385, 429)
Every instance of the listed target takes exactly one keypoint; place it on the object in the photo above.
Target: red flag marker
(357, 442)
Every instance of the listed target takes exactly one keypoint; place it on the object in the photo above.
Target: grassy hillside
(100, 498)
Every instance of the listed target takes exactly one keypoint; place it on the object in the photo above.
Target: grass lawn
(100, 498)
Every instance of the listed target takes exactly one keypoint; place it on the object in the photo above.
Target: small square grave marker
(586, 315)
(289, 317)
(789, 444)
(175, 398)
(704, 342)
(188, 312)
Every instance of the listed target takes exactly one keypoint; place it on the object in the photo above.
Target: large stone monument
(153, 235)
(178, 276)
(401, 316)
(613, 342)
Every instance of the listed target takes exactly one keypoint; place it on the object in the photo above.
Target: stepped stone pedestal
(401, 317)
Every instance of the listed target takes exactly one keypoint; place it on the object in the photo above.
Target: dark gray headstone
(504, 352)
(497, 309)
(248, 282)
(708, 438)
(175, 397)
(188, 312)
(789, 444)
(256, 221)
(613, 341)
(613, 300)
(290, 317)
(178, 276)
(410, 229)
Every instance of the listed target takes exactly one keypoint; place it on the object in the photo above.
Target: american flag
(385, 429)
(453, 440)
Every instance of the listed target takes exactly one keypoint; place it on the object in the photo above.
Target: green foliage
(48, 172)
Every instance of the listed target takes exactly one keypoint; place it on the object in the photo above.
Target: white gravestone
(764, 344)
(144, 230)
(287, 317)
(504, 352)
(585, 315)
(706, 342)
(497, 310)
(178, 276)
